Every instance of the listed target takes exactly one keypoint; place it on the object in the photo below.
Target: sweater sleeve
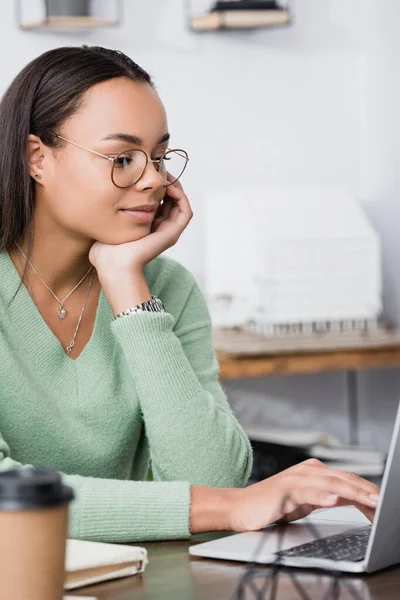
(112, 510)
(193, 435)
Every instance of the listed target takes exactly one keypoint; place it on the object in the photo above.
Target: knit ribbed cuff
(128, 511)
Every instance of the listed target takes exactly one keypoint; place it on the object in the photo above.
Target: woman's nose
(151, 177)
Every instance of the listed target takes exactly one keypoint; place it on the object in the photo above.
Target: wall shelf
(67, 16)
(214, 17)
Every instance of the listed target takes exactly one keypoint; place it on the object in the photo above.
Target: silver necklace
(62, 313)
(72, 342)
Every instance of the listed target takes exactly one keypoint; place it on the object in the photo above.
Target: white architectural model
(298, 258)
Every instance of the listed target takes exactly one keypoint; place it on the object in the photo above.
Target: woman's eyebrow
(133, 139)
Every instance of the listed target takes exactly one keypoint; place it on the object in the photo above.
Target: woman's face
(77, 191)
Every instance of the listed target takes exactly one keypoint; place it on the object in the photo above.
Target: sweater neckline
(38, 342)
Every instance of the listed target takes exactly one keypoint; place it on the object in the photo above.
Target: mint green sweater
(144, 391)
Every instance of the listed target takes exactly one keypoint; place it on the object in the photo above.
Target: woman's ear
(35, 156)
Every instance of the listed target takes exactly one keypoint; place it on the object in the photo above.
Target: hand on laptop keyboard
(296, 492)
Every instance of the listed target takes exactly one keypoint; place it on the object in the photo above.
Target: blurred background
(311, 103)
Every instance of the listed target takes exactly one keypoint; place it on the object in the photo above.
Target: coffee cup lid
(29, 487)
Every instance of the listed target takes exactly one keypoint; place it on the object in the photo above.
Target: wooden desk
(173, 575)
(244, 354)
(297, 363)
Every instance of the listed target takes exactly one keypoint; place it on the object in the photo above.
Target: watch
(153, 305)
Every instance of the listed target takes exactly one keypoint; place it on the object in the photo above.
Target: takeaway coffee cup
(33, 532)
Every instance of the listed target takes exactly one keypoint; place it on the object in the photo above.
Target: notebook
(94, 562)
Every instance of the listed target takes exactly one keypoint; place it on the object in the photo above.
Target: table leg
(352, 406)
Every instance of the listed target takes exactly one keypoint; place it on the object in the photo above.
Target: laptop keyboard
(350, 545)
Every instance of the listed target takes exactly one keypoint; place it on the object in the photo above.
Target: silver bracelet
(153, 305)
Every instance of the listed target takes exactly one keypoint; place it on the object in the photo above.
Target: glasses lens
(128, 168)
(174, 163)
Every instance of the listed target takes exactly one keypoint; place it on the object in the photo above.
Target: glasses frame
(113, 159)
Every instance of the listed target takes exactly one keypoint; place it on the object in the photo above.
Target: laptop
(339, 539)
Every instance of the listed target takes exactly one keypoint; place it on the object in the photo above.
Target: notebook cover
(77, 579)
(92, 562)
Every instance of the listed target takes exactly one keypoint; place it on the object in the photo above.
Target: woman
(86, 388)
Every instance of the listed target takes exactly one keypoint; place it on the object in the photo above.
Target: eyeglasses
(129, 166)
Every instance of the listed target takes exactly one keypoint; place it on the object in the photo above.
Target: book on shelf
(246, 5)
(240, 19)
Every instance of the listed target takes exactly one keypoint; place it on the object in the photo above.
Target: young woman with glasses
(107, 365)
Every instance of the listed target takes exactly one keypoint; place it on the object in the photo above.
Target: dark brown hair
(39, 100)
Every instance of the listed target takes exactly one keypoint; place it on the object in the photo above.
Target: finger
(174, 184)
(306, 509)
(368, 512)
(324, 470)
(331, 485)
(166, 208)
(368, 486)
(312, 496)
(176, 213)
(156, 223)
(181, 213)
(177, 183)
(176, 192)
(179, 196)
(163, 214)
(348, 490)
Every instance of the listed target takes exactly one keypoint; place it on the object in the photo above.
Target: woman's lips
(140, 216)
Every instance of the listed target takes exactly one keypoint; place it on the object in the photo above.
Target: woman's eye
(123, 161)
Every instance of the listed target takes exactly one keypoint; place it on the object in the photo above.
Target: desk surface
(172, 575)
(232, 367)
(244, 354)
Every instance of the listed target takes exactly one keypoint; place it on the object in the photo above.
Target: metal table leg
(352, 406)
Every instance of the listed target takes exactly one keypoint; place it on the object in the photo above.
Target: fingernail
(332, 498)
(374, 497)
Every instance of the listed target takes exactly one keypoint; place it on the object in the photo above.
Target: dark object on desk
(270, 459)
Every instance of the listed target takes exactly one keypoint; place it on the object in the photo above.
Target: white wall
(312, 103)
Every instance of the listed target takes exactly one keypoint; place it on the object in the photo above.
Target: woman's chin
(131, 236)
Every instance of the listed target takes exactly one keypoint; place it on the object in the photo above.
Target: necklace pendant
(62, 313)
